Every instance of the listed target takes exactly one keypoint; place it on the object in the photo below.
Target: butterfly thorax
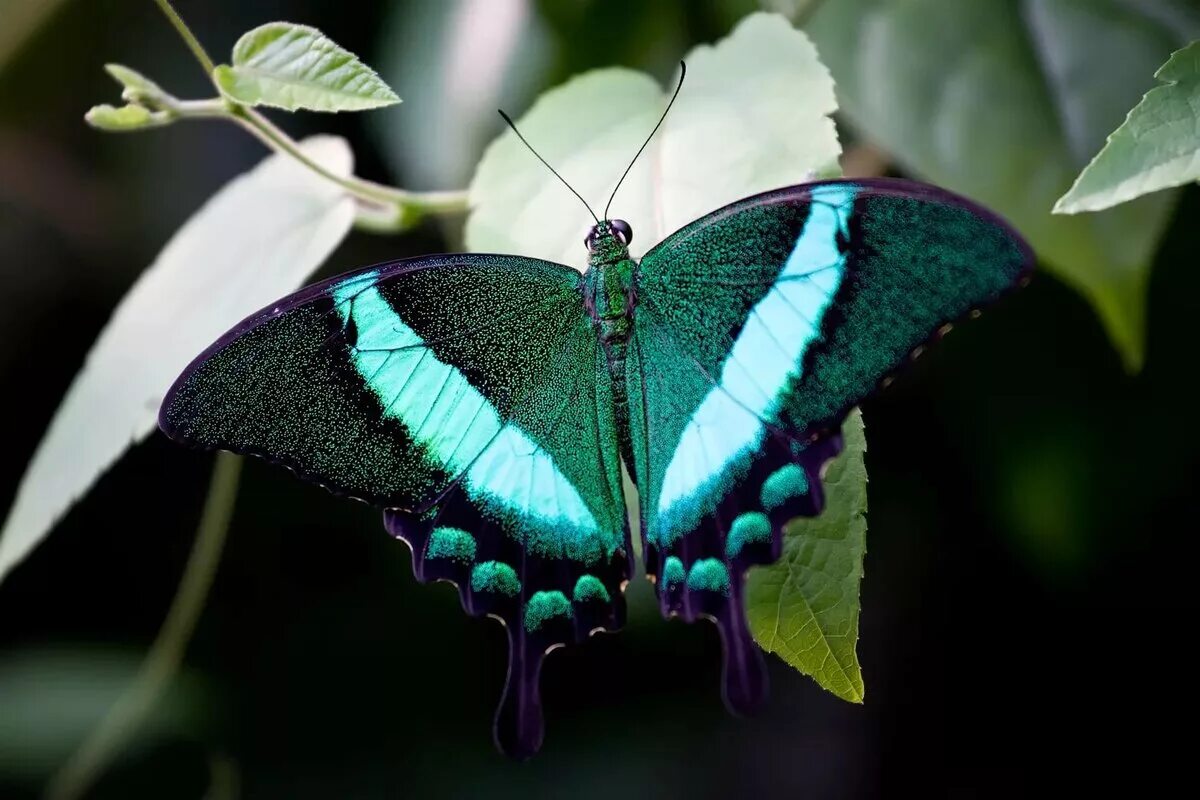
(608, 289)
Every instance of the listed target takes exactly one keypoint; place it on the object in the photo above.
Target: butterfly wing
(758, 328)
(468, 396)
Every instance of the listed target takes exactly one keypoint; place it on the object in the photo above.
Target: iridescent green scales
(495, 577)
(784, 484)
(487, 402)
(451, 543)
(543, 607)
(590, 589)
(748, 527)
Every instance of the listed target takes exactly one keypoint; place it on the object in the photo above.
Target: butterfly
(488, 402)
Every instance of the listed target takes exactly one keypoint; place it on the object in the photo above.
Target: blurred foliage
(52, 698)
(1006, 102)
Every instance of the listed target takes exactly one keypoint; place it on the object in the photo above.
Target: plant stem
(188, 37)
(389, 210)
(382, 209)
(166, 654)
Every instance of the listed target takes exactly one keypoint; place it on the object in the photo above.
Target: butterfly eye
(589, 241)
(621, 229)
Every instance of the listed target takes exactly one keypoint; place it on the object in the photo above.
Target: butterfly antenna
(524, 141)
(682, 73)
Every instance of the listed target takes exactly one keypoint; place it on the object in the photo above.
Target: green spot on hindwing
(673, 573)
(495, 577)
(708, 575)
(783, 484)
(589, 589)
(752, 526)
(451, 543)
(545, 606)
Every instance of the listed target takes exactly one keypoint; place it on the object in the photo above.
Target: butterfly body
(488, 402)
(610, 299)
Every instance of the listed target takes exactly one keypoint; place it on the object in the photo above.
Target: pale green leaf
(1156, 147)
(254, 241)
(137, 86)
(804, 607)
(294, 66)
(1006, 102)
(130, 117)
(753, 115)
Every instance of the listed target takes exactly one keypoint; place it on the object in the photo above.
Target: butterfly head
(607, 242)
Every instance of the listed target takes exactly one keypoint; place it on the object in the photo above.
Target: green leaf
(804, 607)
(1156, 147)
(753, 115)
(1006, 102)
(293, 66)
(130, 117)
(137, 86)
(254, 241)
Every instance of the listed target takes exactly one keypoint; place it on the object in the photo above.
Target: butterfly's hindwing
(466, 393)
(758, 328)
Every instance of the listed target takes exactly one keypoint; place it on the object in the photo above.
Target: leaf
(1156, 147)
(1006, 102)
(753, 115)
(130, 117)
(294, 66)
(137, 86)
(804, 607)
(252, 242)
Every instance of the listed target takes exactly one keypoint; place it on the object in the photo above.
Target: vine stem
(166, 654)
(383, 209)
(188, 37)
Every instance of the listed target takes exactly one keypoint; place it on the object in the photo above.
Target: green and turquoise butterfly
(487, 402)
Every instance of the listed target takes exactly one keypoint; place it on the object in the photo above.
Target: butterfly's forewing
(757, 329)
(468, 396)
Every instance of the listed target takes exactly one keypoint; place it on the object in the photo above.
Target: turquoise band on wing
(727, 427)
(454, 422)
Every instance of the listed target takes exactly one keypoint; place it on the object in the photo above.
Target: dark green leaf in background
(1006, 101)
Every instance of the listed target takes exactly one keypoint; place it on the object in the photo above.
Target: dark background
(1028, 591)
